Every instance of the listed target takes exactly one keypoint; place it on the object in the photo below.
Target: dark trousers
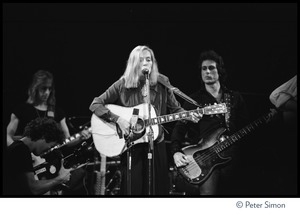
(139, 169)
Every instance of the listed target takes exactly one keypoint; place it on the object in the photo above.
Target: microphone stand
(128, 175)
(129, 142)
(150, 155)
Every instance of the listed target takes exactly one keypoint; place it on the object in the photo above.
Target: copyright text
(265, 204)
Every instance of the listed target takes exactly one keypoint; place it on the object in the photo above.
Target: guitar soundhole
(140, 126)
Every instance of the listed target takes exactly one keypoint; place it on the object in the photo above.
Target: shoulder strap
(228, 105)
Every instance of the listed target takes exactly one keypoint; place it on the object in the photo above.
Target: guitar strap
(178, 92)
(228, 105)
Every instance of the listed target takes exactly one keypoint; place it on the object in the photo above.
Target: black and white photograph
(150, 100)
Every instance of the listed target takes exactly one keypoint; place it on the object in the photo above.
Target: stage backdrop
(86, 46)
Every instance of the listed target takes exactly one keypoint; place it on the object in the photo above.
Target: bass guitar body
(205, 156)
(203, 160)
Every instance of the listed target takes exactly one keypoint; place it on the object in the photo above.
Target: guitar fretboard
(74, 137)
(220, 108)
(241, 133)
(69, 140)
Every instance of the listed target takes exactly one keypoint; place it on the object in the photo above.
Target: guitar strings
(167, 118)
(212, 150)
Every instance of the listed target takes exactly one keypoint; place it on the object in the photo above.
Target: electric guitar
(110, 141)
(46, 169)
(204, 157)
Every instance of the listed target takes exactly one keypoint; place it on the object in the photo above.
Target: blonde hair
(131, 74)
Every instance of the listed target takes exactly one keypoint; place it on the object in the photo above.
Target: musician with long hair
(129, 91)
(41, 103)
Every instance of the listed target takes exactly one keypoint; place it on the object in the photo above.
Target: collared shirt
(162, 99)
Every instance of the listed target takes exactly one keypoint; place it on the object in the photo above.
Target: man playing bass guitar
(212, 75)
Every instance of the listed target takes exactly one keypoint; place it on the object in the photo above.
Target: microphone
(145, 71)
(134, 117)
(133, 121)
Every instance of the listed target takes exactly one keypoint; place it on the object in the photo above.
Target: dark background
(86, 46)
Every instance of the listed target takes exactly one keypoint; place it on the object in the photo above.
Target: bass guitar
(205, 156)
(110, 141)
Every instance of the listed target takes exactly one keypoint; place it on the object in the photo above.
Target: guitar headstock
(215, 109)
(273, 112)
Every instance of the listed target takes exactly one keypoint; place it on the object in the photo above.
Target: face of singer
(145, 60)
(209, 72)
(44, 91)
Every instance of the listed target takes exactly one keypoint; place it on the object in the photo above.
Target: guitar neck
(185, 114)
(74, 138)
(68, 140)
(172, 117)
(241, 133)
